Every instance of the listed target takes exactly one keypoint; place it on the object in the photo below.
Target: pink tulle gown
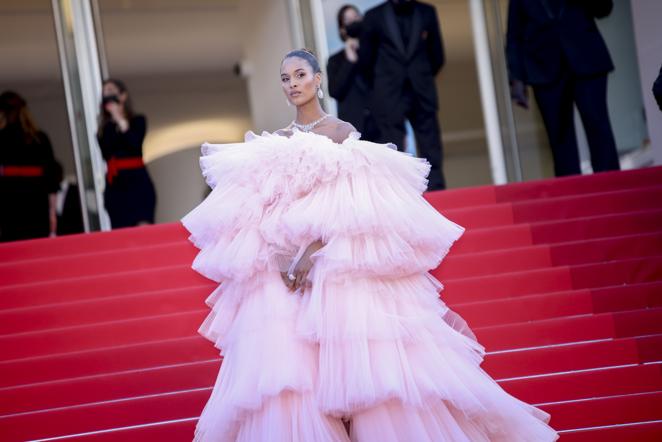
(369, 339)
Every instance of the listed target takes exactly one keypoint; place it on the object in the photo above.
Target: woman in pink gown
(325, 311)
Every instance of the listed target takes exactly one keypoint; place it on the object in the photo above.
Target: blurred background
(208, 70)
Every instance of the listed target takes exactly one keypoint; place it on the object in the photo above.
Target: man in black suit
(346, 84)
(555, 46)
(400, 53)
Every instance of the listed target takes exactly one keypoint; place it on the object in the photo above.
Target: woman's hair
(307, 55)
(104, 115)
(341, 15)
(16, 112)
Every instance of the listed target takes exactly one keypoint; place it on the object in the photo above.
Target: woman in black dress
(130, 198)
(29, 174)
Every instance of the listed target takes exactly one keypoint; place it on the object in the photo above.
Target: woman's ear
(318, 79)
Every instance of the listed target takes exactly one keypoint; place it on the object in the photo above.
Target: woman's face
(350, 16)
(299, 82)
(111, 88)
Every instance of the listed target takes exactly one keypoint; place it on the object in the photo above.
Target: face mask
(354, 30)
(111, 99)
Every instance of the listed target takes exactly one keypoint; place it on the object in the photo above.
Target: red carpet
(560, 279)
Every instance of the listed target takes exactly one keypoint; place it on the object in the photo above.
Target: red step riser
(107, 387)
(183, 431)
(511, 336)
(537, 257)
(537, 307)
(535, 189)
(167, 432)
(537, 361)
(554, 305)
(647, 432)
(454, 266)
(82, 243)
(622, 351)
(93, 287)
(101, 310)
(629, 271)
(557, 279)
(556, 209)
(107, 360)
(605, 411)
(582, 385)
(572, 386)
(569, 415)
(174, 254)
(73, 420)
(566, 330)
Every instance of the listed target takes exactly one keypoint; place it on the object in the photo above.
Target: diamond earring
(320, 93)
(288, 102)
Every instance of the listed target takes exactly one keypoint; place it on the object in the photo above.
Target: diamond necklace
(309, 126)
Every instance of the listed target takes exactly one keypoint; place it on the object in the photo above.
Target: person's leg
(591, 99)
(428, 143)
(555, 101)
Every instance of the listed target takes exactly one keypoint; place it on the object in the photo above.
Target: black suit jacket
(539, 35)
(388, 64)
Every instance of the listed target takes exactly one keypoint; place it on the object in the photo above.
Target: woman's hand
(352, 49)
(117, 114)
(298, 278)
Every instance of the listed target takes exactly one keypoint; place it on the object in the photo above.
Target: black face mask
(110, 99)
(354, 30)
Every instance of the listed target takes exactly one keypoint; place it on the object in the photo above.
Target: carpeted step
(574, 356)
(556, 231)
(454, 266)
(169, 326)
(540, 256)
(637, 432)
(559, 304)
(572, 329)
(621, 201)
(133, 237)
(627, 409)
(546, 188)
(98, 286)
(105, 360)
(91, 389)
(478, 314)
(556, 279)
(600, 382)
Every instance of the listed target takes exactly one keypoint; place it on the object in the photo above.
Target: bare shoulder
(337, 129)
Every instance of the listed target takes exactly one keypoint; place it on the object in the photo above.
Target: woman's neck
(309, 112)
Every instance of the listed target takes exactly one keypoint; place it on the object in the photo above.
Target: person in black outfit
(400, 52)
(29, 174)
(657, 89)
(346, 84)
(555, 46)
(130, 198)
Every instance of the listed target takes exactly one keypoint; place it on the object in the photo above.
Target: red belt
(29, 171)
(117, 164)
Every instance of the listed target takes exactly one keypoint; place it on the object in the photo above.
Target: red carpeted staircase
(560, 279)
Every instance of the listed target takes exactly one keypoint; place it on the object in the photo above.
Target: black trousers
(589, 94)
(391, 127)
